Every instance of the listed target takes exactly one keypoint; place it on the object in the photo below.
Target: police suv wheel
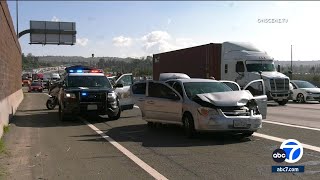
(116, 116)
(62, 115)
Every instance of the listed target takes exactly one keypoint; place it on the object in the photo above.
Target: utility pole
(91, 63)
(291, 64)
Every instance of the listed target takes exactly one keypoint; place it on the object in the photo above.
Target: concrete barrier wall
(8, 107)
(10, 67)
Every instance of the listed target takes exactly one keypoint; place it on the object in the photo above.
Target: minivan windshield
(88, 81)
(194, 88)
(257, 66)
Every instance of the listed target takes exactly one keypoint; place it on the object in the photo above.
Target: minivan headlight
(205, 111)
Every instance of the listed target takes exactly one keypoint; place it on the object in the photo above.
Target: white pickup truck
(202, 104)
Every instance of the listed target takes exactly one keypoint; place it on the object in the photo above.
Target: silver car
(202, 104)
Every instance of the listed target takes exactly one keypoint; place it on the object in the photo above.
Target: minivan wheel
(188, 125)
(247, 134)
(150, 124)
(64, 116)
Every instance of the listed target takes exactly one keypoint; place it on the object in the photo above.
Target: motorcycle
(52, 102)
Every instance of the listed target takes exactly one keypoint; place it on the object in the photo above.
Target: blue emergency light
(79, 71)
(71, 71)
(84, 94)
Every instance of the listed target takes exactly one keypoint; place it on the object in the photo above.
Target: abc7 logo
(290, 151)
(279, 155)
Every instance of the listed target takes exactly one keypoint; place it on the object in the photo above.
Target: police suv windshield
(88, 81)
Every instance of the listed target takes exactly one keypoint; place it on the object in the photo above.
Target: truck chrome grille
(279, 84)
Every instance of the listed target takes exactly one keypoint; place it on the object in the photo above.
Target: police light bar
(85, 71)
(96, 71)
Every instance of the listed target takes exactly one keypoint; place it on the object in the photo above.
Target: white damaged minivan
(202, 104)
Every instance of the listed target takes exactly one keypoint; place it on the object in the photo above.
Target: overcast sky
(134, 29)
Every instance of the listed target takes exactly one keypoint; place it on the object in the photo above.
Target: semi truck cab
(242, 63)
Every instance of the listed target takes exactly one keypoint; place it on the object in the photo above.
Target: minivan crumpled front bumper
(221, 122)
(228, 111)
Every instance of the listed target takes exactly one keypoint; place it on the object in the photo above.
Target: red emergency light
(96, 71)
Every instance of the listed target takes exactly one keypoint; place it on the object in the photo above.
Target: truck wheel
(188, 125)
(283, 102)
(300, 98)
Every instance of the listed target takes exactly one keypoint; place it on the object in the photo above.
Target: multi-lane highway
(39, 146)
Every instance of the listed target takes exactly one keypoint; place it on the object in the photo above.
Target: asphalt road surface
(39, 146)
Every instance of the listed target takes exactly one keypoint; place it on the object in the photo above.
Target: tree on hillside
(312, 69)
(101, 63)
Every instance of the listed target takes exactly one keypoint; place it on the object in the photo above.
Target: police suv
(84, 89)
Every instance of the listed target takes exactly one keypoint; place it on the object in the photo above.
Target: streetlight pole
(291, 63)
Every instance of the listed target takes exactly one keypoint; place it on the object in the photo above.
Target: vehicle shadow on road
(166, 136)
(41, 119)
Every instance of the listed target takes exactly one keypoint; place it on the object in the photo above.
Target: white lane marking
(126, 152)
(135, 106)
(273, 138)
(291, 125)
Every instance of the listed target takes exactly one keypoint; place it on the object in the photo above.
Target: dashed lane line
(126, 152)
(291, 125)
(273, 138)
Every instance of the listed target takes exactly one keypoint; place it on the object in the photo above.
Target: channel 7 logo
(290, 151)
